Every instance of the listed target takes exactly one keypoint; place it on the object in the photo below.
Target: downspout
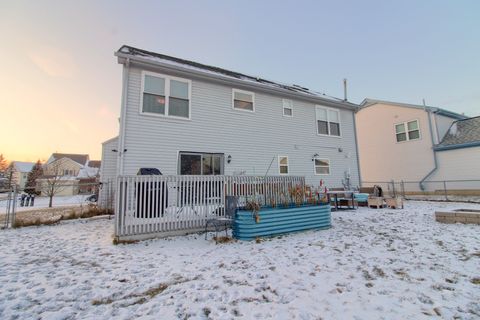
(123, 112)
(356, 147)
(435, 162)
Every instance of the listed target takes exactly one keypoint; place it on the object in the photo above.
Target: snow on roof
(177, 62)
(370, 102)
(87, 172)
(462, 132)
(21, 166)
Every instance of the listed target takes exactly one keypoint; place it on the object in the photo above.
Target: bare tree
(53, 182)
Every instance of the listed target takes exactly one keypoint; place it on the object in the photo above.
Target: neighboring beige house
(19, 173)
(396, 141)
(72, 173)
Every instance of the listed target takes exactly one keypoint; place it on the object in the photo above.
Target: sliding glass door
(197, 163)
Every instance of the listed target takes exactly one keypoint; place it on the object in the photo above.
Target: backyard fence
(445, 190)
(171, 205)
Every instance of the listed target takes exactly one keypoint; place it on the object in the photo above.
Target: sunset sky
(60, 85)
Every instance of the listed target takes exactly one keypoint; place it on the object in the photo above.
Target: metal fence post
(393, 189)
(445, 190)
(402, 188)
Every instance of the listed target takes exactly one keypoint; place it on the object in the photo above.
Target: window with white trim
(287, 108)
(165, 96)
(321, 166)
(197, 163)
(283, 164)
(243, 100)
(328, 121)
(407, 131)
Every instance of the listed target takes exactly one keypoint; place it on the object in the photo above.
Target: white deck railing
(169, 205)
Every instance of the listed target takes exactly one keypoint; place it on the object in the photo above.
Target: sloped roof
(212, 71)
(94, 163)
(78, 158)
(367, 102)
(88, 172)
(461, 134)
(21, 166)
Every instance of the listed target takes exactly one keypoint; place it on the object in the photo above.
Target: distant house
(19, 173)
(401, 142)
(76, 173)
(187, 118)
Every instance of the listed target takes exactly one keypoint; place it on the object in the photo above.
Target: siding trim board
(457, 146)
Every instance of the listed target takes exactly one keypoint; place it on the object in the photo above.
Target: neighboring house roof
(78, 158)
(367, 102)
(461, 134)
(94, 163)
(23, 166)
(224, 74)
(88, 172)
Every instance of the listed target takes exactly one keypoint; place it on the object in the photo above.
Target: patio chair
(226, 220)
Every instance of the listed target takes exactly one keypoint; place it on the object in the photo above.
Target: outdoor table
(335, 194)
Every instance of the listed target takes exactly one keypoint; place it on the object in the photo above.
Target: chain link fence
(445, 190)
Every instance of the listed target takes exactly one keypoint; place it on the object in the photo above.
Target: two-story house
(187, 118)
(398, 141)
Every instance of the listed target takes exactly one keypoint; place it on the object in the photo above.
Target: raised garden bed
(275, 221)
(458, 216)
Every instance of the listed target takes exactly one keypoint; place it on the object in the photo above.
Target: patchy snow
(373, 264)
(42, 202)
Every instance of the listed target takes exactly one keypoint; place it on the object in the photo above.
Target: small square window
(407, 131)
(322, 166)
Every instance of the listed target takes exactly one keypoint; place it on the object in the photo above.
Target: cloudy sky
(60, 84)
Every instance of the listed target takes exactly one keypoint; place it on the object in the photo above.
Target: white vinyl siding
(287, 108)
(283, 165)
(165, 96)
(243, 100)
(407, 131)
(252, 139)
(328, 121)
(321, 166)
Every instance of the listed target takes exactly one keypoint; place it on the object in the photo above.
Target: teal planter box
(276, 221)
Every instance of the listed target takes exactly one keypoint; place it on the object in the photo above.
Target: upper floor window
(287, 108)
(283, 164)
(243, 100)
(407, 131)
(165, 95)
(328, 121)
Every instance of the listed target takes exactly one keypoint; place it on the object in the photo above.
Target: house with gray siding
(187, 118)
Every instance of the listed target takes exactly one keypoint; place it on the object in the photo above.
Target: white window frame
(167, 95)
(284, 107)
(244, 92)
(328, 122)
(315, 167)
(279, 165)
(405, 125)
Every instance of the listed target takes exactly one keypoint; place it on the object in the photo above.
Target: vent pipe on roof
(345, 89)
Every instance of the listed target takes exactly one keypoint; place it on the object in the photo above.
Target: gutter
(121, 136)
(188, 72)
(435, 161)
(356, 147)
(457, 146)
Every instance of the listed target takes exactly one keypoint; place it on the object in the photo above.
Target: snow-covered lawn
(391, 264)
(42, 202)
